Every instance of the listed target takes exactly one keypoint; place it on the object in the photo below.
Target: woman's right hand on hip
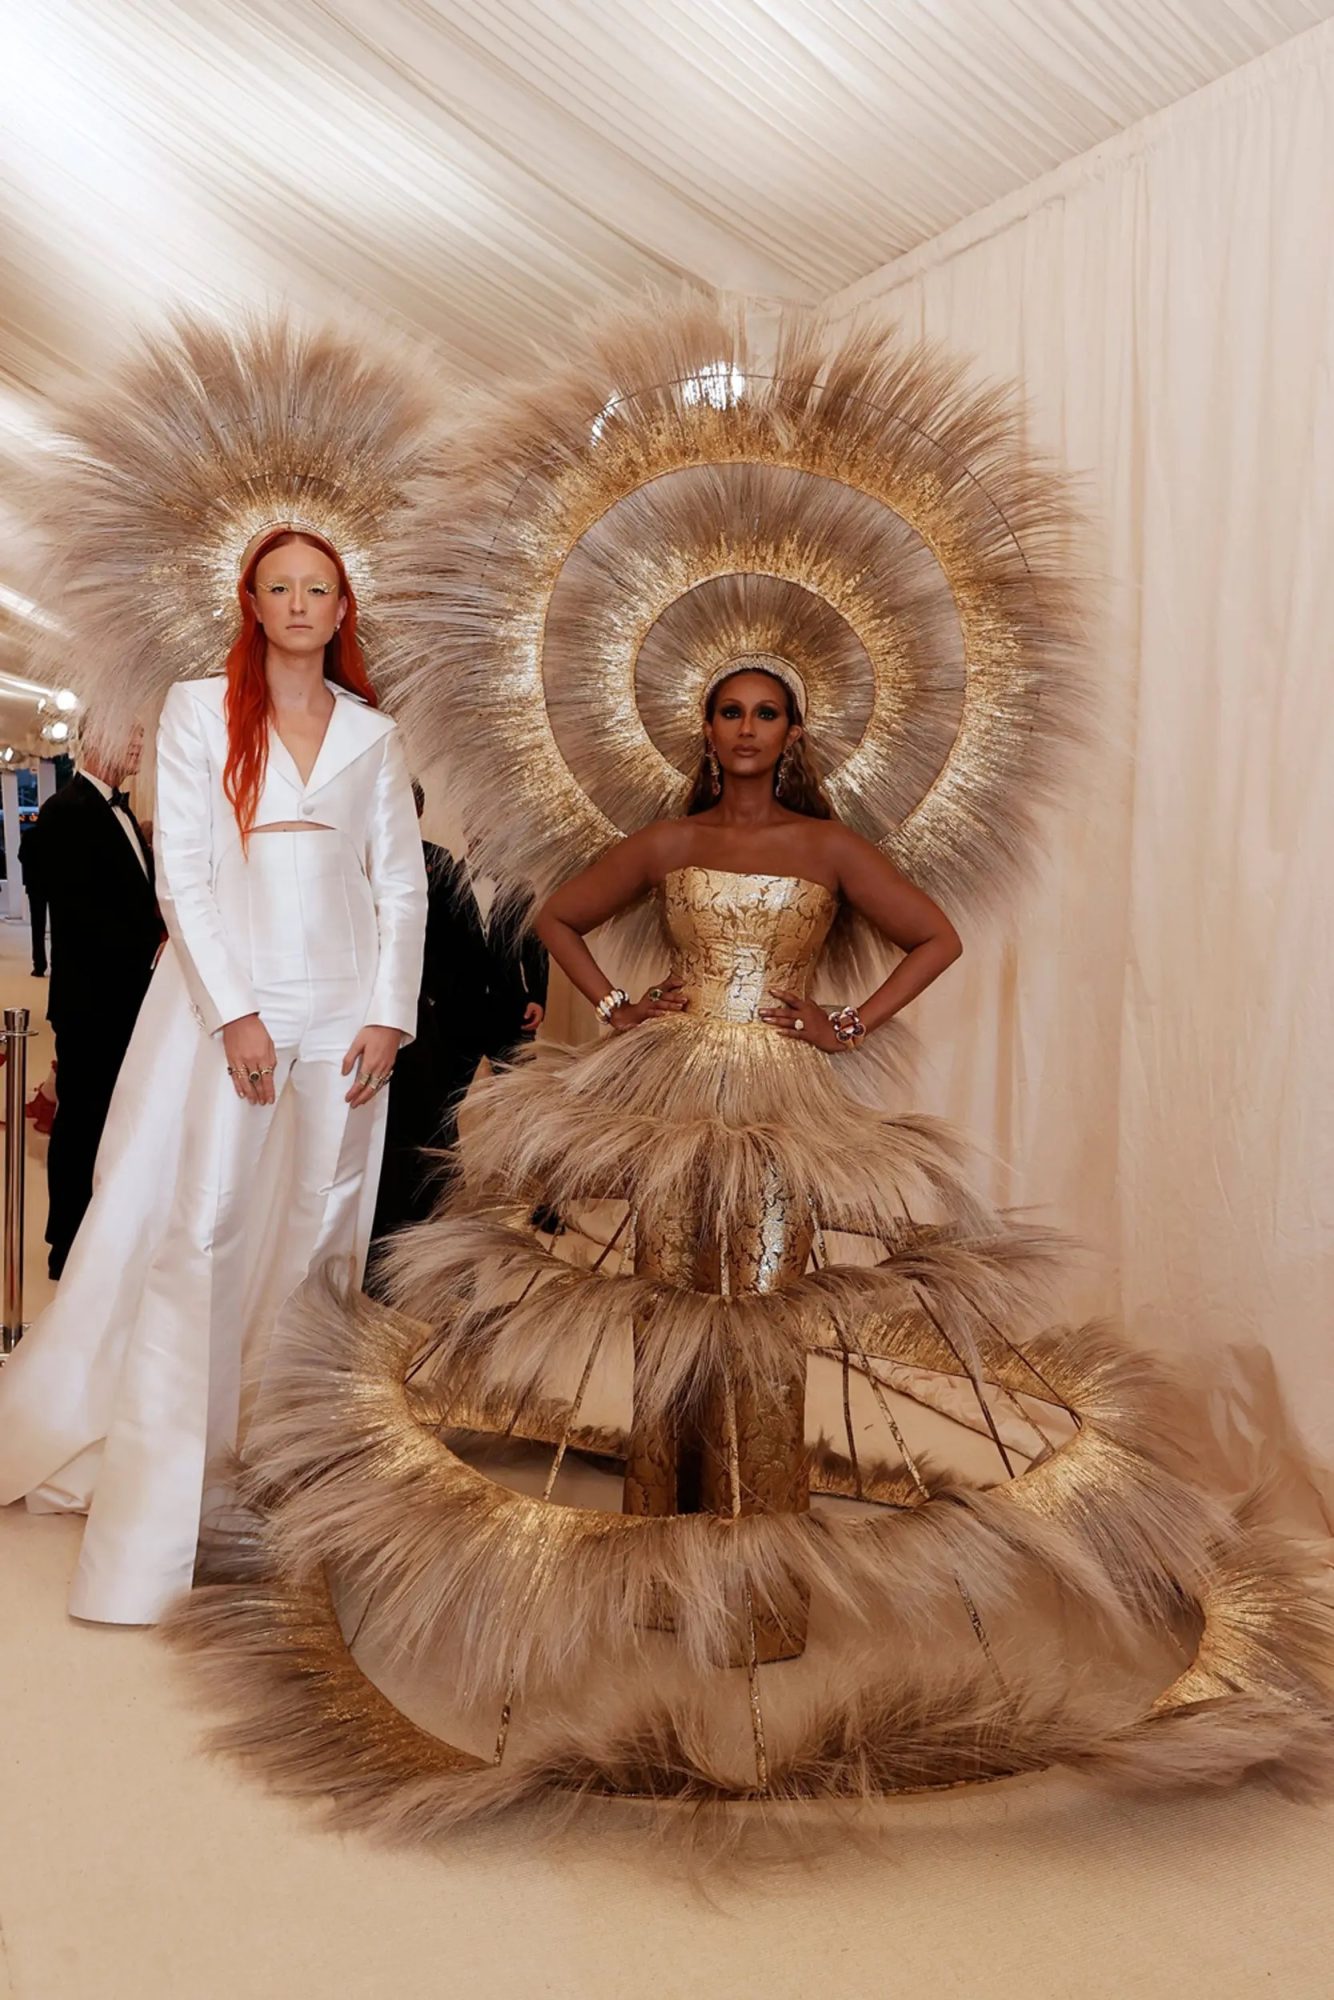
(665, 999)
(251, 1058)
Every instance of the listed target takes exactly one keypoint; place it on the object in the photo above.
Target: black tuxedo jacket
(105, 925)
(479, 976)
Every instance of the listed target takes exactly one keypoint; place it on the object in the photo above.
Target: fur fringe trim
(522, 1588)
(508, 1317)
(725, 1110)
(306, 1717)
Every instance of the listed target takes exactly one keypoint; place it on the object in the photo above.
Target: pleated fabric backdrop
(1148, 1046)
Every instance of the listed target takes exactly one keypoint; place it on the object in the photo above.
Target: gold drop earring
(715, 772)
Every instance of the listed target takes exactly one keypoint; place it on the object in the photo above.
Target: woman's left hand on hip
(801, 1020)
(372, 1056)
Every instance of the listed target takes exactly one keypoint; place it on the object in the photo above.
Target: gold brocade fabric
(738, 938)
(741, 1449)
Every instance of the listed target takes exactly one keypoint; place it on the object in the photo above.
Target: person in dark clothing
(36, 895)
(416, 1125)
(514, 963)
(484, 989)
(88, 859)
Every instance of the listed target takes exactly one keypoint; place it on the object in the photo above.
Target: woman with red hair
(292, 883)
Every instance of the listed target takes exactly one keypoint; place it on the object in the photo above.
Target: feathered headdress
(206, 438)
(591, 549)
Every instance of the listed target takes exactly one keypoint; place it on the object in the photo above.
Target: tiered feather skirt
(766, 1479)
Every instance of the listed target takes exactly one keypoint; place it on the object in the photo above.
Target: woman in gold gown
(750, 880)
(770, 1479)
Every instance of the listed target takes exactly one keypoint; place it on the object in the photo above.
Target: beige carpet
(132, 1866)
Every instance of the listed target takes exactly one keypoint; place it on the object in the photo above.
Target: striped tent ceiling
(480, 170)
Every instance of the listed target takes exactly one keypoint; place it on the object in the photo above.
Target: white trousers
(207, 1213)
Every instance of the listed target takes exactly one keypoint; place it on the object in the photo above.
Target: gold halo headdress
(758, 663)
(589, 553)
(205, 440)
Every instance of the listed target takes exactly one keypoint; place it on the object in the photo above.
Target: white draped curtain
(1145, 1041)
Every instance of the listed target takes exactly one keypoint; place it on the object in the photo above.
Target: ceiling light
(717, 384)
(23, 607)
(42, 695)
(22, 421)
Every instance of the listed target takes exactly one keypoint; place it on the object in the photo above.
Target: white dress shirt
(105, 789)
(484, 889)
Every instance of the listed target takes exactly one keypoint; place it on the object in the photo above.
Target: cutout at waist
(295, 826)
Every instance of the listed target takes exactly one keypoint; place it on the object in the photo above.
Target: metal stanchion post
(16, 1036)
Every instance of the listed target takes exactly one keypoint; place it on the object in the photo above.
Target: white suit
(208, 1211)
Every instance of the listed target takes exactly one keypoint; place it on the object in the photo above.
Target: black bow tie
(119, 800)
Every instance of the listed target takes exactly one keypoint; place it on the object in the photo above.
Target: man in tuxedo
(513, 967)
(91, 863)
(32, 889)
(484, 988)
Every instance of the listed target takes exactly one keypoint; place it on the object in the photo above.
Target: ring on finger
(253, 1075)
(655, 993)
(798, 1025)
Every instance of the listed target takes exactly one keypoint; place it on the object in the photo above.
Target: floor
(133, 1866)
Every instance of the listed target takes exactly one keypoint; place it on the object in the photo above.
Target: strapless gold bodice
(735, 938)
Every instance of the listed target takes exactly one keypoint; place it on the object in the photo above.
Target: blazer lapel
(353, 727)
(282, 758)
(332, 755)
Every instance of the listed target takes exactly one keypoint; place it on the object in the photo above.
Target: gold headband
(760, 663)
(291, 526)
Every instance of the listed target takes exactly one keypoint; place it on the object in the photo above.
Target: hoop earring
(715, 772)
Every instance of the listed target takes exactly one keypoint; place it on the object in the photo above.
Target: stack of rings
(364, 1077)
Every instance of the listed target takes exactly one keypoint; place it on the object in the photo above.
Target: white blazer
(359, 785)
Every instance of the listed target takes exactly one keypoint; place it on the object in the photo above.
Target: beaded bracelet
(609, 1002)
(848, 1025)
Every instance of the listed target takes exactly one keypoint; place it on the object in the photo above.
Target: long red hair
(247, 703)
